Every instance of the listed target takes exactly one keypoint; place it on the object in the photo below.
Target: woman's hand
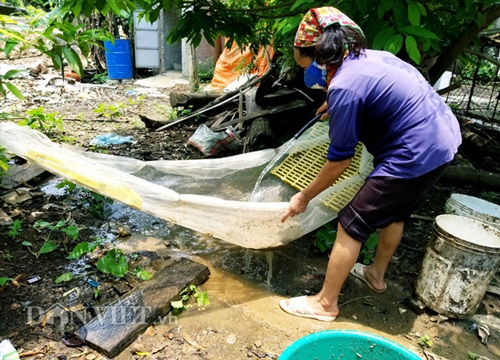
(298, 204)
(322, 109)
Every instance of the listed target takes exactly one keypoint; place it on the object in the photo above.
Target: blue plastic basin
(346, 345)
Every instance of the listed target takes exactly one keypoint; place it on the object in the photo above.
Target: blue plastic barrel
(118, 59)
(346, 345)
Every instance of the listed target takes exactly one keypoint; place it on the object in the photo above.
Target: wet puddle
(286, 270)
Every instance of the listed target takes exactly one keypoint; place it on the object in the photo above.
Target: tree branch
(446, 59)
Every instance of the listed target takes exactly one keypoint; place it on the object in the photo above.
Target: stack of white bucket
(462, 257)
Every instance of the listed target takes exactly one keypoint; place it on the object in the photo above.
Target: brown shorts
(382, 201)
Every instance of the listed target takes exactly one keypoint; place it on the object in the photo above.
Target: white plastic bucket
(474, 208)
(462, 256)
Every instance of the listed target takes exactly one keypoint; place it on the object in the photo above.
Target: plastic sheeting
(211, 196)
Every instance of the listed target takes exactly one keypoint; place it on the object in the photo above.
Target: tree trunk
(472, 176)
(96, 53)
(448, 57)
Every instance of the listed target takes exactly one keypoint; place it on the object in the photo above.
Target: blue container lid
(346, 345)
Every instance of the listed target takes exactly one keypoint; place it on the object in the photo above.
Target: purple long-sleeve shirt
(387, 104)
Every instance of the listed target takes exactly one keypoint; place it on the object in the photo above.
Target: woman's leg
(342, 258)
(388, 242)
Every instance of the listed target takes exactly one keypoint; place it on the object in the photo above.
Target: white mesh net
(211, 196)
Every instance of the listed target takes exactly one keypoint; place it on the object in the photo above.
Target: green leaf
(72, 231)
(299, 3)
(12, 35)
(47, 247)
(412, 49)
(119, 268)
(79, 250)
(115, 6)
(4, 280)
(413, 14)
(113, 263)
(41, 224)
(12, 73)
(14, 90)
(179, 305)
(383, 7)
(381, 39)
(73, 60)
(143, 274)
(292, 24)
(77, 8)
(422, 9)
(27, 243)
(65, 277)
(419, 31)
(394, 44)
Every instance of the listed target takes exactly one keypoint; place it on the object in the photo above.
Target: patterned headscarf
(316, 20)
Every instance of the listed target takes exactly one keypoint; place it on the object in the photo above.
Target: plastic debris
(7, 351)
(111, 139)
(212, 143)
(484, 332)
(33, 279)
(472, 327)
(92, 282)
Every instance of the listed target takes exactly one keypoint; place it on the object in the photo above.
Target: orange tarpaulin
(233, 61)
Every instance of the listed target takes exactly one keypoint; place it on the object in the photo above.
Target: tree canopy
(430, 34)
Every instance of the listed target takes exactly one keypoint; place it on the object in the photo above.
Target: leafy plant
(47, 247)
(82, 249)
(67, 185)
(368, 249)
(425, 341)
(94, 202)
(109, 111)
(71, 231)
(490, 196)
(55, 35)
(100, 78)
(45, 122)
(325, 237)
(114, 263)
(142, 273)
(5, 84)
(200, 297)
(205, 75)
(15, 229)
(472, 355)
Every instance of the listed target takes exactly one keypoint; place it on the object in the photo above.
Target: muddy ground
(243, 319)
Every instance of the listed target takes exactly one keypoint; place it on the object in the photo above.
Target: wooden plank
(276, 110)
(119, 324)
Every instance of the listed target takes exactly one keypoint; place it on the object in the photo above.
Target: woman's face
(302, 61)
